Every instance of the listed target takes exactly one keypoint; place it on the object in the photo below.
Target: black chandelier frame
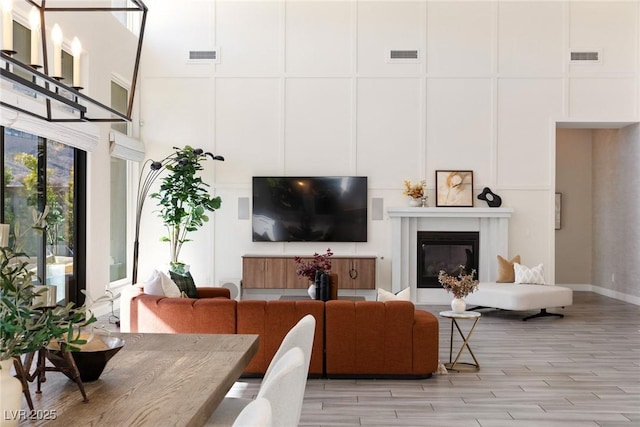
(54, 90)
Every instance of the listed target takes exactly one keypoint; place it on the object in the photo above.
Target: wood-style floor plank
(579, 371)
(582, 370)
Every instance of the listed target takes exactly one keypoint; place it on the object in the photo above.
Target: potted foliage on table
(310, 269)
(25, 327)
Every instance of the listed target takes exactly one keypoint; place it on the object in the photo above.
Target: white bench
(519, 297)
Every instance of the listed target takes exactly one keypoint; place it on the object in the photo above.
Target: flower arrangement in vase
(308, 269)
(460, 286)
(415, 192)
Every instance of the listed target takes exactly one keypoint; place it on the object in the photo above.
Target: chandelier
(36, 87)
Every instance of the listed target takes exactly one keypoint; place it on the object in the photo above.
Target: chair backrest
(284, 389)
(301, 335)
(256, 414)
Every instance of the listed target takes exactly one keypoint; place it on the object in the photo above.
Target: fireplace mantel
(491, 223)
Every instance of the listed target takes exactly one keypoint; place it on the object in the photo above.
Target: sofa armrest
(205, 292)
(425, 341)
(380, 339)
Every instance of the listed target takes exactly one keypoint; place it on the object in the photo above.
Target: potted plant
(25, 327)
(415, 193)
(460, 286)
(309, 269)
(183, 199)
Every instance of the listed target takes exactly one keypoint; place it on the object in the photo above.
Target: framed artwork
(454, 188)
(558, 210)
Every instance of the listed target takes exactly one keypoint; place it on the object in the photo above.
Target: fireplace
(445, 250)
(491, 224)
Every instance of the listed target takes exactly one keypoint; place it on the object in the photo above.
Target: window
(120, 172)
(119, 101)
(118, 263)
(43, 176)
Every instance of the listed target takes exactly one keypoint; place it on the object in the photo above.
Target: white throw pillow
(170, 288)
(403, 295)
(153, 285)
(533, 275)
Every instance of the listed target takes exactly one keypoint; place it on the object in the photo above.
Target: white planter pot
(458, 305)
(10, 395)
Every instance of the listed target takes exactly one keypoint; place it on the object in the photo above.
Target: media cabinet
(279, 272)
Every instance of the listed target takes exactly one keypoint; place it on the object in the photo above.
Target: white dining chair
(256, 414)
(284, 389)
(301, 335)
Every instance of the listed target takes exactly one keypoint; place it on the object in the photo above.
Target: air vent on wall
(403, 55)
(199, 56)
(582, 56)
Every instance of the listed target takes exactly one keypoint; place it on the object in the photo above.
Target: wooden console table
(279, 272)
(156, 379)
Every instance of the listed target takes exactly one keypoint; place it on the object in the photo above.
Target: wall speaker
(234, 285)
(243, 208)
(377, 208)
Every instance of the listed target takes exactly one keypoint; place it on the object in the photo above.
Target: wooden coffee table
(156, 379)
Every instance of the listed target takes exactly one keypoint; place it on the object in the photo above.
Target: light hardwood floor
(582, 371)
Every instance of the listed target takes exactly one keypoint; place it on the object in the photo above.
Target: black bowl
(90, 362)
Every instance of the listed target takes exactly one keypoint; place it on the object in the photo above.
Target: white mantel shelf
(420, 212)
(491, 223)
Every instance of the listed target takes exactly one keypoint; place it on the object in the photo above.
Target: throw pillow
(533, 275)
(171, 290)
(185, 283)
(506, 273)
(153, 285)
(403, 295)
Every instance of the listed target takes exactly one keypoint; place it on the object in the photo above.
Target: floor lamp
(151, 170)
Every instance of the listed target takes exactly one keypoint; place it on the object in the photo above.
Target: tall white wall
(303, 87)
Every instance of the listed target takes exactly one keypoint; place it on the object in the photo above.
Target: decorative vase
(312, 290)
(10, 395)
(413, 202)
(458, 305)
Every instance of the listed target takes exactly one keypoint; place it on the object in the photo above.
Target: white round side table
(455, 364)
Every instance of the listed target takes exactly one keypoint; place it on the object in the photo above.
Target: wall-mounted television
(309, 209)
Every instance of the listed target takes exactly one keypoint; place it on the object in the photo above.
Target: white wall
(303, 87)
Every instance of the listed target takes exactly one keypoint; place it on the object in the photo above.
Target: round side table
(455, 364)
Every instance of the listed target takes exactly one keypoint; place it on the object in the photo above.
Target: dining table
(155, 380)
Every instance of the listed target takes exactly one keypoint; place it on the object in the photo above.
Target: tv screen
(309, 209)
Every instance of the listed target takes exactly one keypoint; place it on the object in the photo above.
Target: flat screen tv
(309, 209)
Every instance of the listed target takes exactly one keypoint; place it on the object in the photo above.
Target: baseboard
(632, 299)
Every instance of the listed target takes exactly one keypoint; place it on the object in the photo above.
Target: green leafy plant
(25, 327)
(183, 198)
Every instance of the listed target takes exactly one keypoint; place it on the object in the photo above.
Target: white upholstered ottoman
(519, 297)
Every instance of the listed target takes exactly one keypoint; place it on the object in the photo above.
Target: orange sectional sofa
(353, 339)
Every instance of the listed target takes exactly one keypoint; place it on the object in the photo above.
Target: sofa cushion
(272, 320)
(532, 276)
(160, 284)
(185, 283)
(379, 339)
(506, 272)
(156, 314)
(153, 285)
(513, 296)
(403, 295)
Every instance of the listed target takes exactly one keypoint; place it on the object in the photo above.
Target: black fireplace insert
(446, 250)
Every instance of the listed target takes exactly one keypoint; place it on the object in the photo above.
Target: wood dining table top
(155, 380)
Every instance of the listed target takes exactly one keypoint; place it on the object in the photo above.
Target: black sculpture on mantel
(492, 199)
